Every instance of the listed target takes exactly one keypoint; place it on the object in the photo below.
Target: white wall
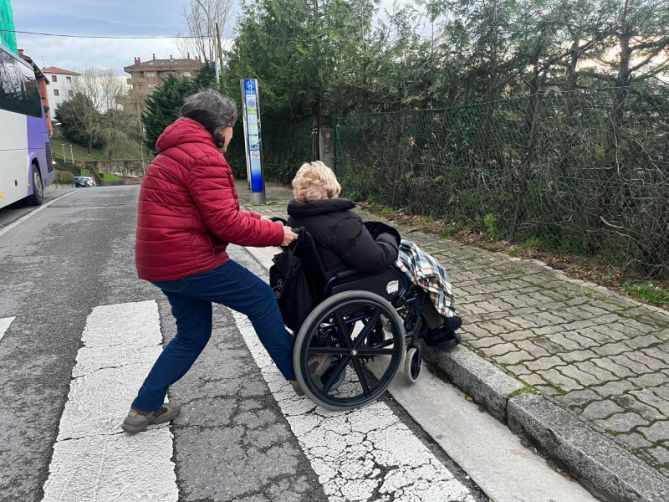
(63, 86)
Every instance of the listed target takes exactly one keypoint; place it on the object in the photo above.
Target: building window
(150, 74)
(68, 79)
(70, 93)
(187, 74)
(56, 92)
(54, 78)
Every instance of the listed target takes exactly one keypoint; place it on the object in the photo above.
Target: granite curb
(606, 469)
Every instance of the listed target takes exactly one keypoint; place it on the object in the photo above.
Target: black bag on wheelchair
(288, 279)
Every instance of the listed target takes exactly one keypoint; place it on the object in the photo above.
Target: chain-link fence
(285, 146)
(583, 172)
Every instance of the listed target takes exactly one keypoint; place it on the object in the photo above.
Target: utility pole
(71, 154)
(64, 159)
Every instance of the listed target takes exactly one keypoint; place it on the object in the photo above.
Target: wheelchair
(366, 326)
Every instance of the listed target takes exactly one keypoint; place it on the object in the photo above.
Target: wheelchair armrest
(346, 274)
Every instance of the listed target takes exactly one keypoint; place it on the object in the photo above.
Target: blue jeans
(191, 300)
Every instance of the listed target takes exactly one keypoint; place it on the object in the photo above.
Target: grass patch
(528, 389)
(646, 292)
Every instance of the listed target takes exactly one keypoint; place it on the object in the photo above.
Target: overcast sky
(97, 17)
(101, 17)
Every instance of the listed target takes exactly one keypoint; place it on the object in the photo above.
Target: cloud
(75, 53)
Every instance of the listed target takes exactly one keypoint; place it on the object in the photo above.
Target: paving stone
(548, 390)
(659, 431)
(601, 374)
(660, 352)
(621, 422)
(565, 343)
(643, 341)
(651, 398)
(532, 348)
(514, 357)
(634, 440)
(577, 355)
(544, 363)
(579, 397)
(518, 369)
(632, 403)
(515, 336)
(533, 379)
(583, 341)
(475, 330)
(614, 388)
(651, 362)
(611, 349)
(540, 346)
(635, 366)
(662, 391)
(652, 379)
(556, 378)
(548, 327)
(608, 333)
(601, 409)
(572, 371)
(617, 370)
(500, 349)
(659, 453)
(489, 341)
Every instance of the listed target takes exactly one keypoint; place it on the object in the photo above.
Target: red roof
(59, 71)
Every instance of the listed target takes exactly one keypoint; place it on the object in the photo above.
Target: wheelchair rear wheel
(358, 337)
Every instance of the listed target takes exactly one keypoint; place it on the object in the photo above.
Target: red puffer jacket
(189, 210)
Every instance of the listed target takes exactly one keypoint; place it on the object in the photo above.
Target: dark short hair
(212, 111)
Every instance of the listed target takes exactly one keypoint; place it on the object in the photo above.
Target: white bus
(26, 165)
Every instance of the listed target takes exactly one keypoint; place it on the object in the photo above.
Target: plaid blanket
(428, 274)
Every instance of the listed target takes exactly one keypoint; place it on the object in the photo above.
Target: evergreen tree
(163, 105)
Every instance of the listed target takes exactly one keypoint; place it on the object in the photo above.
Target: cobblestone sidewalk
(594, 352)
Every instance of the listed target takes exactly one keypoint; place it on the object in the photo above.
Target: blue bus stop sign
(252, 139)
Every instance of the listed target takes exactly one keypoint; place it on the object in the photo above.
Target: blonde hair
(315, 181)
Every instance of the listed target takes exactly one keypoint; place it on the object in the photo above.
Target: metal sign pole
(252, 140)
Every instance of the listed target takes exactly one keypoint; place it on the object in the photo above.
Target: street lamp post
(64, 159)
(71, 154)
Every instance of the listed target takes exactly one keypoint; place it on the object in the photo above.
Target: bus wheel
(37, 197)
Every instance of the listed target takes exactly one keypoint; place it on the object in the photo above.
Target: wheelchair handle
(280, 220)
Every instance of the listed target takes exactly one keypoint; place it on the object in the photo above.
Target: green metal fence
(584, 172)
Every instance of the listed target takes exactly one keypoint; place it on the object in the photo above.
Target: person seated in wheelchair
(344, 241)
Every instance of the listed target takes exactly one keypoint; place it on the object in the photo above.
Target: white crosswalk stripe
(93, 460)
(362, 454)
(4, 325)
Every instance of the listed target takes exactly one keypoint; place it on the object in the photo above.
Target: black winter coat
(341, 237)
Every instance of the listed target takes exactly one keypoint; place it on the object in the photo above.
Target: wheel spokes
(369, 327)
(334, 351)
(335, 373)
(361, 375)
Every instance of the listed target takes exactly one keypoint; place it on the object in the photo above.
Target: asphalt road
(66, 267)
(79, 331)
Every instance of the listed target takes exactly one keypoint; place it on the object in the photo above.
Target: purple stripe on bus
(37, 138)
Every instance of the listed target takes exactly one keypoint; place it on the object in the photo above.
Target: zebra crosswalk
(92, 458)
(365, 454)
(4, 325)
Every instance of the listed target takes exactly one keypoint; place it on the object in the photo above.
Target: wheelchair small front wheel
(348, 350)
(413, 363)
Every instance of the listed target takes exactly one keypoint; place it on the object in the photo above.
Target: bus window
(19, 90)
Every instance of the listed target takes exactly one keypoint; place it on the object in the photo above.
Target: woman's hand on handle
(288, 236)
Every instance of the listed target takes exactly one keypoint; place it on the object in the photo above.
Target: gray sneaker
(138, 421)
